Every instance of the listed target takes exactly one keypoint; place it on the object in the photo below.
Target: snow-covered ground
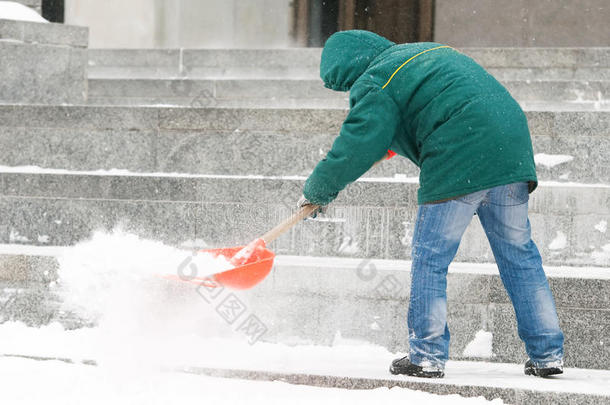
(146, 324)
(147, 327)
(52, 382)
(131, 369)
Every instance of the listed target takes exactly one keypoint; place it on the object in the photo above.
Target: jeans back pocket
(516, 194)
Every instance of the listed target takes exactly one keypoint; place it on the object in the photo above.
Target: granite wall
(520, 23)
(42, 63)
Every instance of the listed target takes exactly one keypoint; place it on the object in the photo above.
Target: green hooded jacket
(427, 102)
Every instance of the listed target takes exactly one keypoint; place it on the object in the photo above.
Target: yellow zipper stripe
(409, 60)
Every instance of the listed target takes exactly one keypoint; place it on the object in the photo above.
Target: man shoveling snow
(440, 109)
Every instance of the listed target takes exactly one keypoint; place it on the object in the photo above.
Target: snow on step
(601, 273)
(55, 381)
(10, 10)
(345, 359)
(584, 272)
(480, 346)
(551, 160)
(397, 178)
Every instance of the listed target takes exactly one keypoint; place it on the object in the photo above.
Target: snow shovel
(252, 262)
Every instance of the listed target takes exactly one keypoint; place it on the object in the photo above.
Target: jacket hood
(347, 54)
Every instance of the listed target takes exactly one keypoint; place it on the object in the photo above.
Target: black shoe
(531, 369)
(404, 366)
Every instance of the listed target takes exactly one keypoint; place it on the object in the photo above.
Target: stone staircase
(214, 145)
(504, 63)
(308, 93)
(537, 77)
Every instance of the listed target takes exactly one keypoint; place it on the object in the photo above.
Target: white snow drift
(10, 10)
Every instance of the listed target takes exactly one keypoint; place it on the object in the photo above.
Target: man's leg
(504, 218)
(438, 231)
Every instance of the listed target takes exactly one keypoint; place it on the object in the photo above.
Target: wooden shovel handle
(294, 219)
(288, 223)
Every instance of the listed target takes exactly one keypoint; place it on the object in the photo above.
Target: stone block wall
(523, 23)
(43, 63)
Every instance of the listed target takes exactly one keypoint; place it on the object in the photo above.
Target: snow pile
(481, 346)
(602, 226)
(9, 10)
(602, 257)
(113, 281)
(560, 242)
(551, 160)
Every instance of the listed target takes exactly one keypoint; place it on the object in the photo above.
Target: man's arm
(365, 137)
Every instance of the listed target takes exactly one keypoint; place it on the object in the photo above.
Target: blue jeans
(439, 228)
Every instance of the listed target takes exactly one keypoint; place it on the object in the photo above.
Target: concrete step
(371, 218)
(43, 63)
(544, 63)
(233, 141)
(467, 379)
(505, 63)
(368, 300)
(250, 93)
(214, 93)
(312, 300)
(164, 63)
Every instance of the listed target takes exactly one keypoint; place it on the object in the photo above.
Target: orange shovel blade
(250, 269)
(252, 263)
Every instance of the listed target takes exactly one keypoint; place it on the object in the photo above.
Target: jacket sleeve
(365, 137)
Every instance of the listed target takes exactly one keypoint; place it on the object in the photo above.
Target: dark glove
(304, 201)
